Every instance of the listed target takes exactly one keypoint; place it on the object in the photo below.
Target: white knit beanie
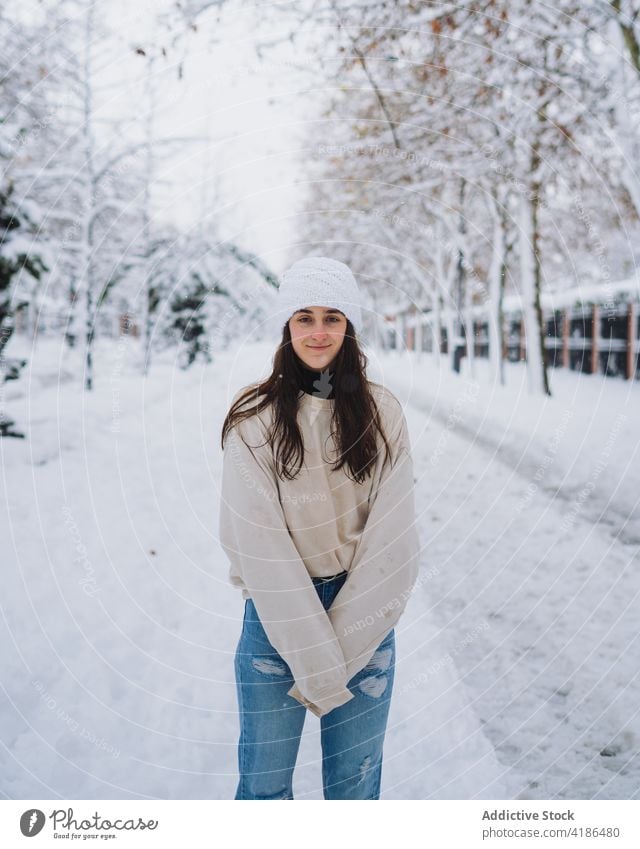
(323, 282)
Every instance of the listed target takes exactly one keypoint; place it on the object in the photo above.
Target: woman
(317, 519)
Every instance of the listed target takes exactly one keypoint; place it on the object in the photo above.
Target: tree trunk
(530, 287)
(496, 287)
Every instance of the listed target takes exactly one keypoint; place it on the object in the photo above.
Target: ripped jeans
(271, 722)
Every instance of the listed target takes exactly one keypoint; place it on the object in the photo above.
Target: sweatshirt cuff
(322, 704)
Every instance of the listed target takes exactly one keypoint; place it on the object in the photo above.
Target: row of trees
(504, 129)
(81, 182)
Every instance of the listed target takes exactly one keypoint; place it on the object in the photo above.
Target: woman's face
(317, 334)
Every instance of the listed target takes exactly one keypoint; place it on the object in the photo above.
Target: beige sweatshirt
(278, 534)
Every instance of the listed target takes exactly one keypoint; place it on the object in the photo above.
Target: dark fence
(589, 338)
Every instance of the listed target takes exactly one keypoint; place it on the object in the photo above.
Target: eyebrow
(326, 312)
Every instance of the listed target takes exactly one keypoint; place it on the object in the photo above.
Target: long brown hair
(355, 419)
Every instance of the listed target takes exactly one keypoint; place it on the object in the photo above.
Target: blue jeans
(271, 722)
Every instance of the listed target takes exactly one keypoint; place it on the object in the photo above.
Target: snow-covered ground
(517, 671)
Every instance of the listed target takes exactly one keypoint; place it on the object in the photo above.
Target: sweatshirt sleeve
(385, 564)
(255, 537)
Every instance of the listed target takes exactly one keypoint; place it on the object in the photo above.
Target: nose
(319, 333)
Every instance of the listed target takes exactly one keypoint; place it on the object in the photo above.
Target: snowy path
(515, 655)
(554, 676)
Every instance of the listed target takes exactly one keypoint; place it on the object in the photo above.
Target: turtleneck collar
(318, 384)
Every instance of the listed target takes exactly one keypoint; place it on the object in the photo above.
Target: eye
(333, 318)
